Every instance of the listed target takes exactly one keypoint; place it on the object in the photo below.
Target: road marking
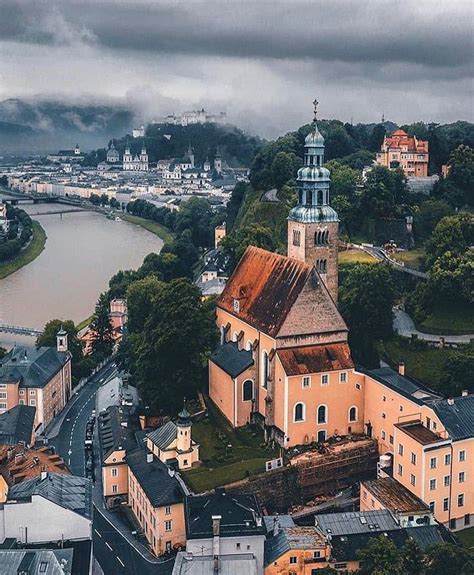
(109, 546)
(98, 533)
(120, 561)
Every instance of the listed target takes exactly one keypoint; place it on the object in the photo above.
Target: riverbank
(151, 226)
(30, 253)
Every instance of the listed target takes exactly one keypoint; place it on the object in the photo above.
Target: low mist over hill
(44, 125)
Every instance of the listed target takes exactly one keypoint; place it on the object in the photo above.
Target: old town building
(284, 363)
(37, 377)
(406, 152)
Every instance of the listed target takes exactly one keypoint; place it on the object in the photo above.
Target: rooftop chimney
(450, 401)
(276, 526)
(401, 368)
(44, 475)
(149, 457)
(464, 392)
(216, 530)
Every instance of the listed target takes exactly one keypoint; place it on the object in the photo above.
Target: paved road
(404, 326)
(69, 442)
(380, 254)
(116, 556)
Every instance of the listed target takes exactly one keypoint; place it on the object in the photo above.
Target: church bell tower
(313, 225)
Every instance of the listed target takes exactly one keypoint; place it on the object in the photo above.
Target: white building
(48, 508)
(195, 117)
(112, 154)
(3, 219)
(138, 132)
(135, 163)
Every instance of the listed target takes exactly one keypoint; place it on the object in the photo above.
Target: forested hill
(165, 141)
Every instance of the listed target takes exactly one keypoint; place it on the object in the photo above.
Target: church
(137, 163)
(284, 362)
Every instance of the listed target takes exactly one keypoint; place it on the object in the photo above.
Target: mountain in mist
(47, 125)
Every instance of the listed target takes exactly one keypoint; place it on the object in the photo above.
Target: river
(83, 251)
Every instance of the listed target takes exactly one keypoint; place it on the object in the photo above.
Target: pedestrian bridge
(20, 330)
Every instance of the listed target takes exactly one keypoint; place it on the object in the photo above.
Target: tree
(457, 372)
(380, 557)
(284, 168)
(169, 352)
(427, 216)
(81, 366)
(448, 559)
(115, 204)
(366, 299)
(413, 559)
(453, 233)
(196, 215)
(95, 199)
(102, 339)
(376, 138)
(185, 250)
(233, 206)
(235, 245)
(344, 179)
(140, 296)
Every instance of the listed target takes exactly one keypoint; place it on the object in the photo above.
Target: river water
(82, 252)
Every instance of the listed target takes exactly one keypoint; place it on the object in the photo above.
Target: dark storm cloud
(348, 31)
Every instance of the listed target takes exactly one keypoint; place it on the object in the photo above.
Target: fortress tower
(313, 225)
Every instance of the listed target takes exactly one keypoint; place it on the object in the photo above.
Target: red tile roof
(266, 286)
(315, 358)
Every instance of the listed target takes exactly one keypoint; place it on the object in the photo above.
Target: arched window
(326, 237)
(299, 413)
(296, 237)
(320, 197)
(247, 390)
(265, 369)
(353, 414)
(322, 416)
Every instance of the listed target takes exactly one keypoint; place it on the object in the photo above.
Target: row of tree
(19, 233)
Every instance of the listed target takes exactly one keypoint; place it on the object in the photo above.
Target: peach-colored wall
(336, 396)
(383, 408)
(305, 562)
(153, 519)
(8, 396)
(115, 472)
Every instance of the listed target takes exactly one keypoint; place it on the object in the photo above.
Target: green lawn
(30, 253)
(466, 536)
(227, 454)
(152, 227)
(426, 365)
(450, 319)
(414, 259)
(356, 257)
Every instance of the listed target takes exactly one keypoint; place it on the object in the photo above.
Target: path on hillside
(380, 254)
(405, 326)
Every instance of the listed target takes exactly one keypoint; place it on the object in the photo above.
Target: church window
(320, 197)
(322, 414)
(265, 369)
(247, 390)
(296, 237)
(299, 414)
(353, 414)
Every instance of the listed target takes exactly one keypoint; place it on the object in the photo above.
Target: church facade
(284, 363)
(137, 163)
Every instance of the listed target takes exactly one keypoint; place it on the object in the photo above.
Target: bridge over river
(20, 330)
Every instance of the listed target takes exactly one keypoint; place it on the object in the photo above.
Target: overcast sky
(262, 61)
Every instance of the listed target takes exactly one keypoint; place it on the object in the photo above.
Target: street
(114, 553)
(69, 443)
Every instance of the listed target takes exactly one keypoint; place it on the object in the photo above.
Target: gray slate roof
(231, 360)
(402, 384)
(68, 491)
(32, 367)
(36, 561)
(242, 564)
(240, 515)
(458, 418)
(356, 522)
(112, 435)
(16, 425)
(160, 488)
(164, 435)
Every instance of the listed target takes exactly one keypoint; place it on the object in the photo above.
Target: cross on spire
(315, 104)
